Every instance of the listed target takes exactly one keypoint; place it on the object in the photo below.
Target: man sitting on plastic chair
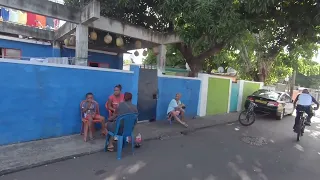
(114, 126)
(176, 109)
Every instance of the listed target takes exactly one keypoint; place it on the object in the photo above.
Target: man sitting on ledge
(176, 109)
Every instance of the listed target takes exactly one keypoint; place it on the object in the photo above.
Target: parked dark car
(274, 103)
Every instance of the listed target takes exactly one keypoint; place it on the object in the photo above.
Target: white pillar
(161, 59)
(241, 85)
(81, 45)
(203, 94)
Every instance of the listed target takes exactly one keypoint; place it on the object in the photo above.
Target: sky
(317, 58)
(136, 59)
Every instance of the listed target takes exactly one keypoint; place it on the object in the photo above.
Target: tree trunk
(195, 67)
(196, 62)
(264, 67)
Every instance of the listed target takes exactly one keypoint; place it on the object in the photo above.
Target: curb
(159, 137)
(21, 168)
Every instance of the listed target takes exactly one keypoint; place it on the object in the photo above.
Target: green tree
(207, 27)
(308, 81)
(264, 57)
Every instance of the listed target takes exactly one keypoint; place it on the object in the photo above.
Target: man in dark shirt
(123, 108)
(304, 102)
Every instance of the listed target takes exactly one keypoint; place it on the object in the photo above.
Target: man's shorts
(177, 113)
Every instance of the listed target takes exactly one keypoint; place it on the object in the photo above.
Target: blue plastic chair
(129, 122)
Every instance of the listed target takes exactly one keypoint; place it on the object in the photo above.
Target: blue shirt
(304, 99)
(172, 105)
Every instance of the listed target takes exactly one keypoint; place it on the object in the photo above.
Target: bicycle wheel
(298, 132)
(249, 118)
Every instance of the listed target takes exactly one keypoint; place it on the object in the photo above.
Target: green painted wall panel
(218, 95)
(248, 89)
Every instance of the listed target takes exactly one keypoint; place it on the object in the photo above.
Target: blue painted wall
(115, 62)
(31, 50)
(42, 102)
(234, 97)
(169, 87)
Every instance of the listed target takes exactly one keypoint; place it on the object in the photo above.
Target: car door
(282, 100)
(289, 107)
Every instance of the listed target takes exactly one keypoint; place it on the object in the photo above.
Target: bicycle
(249, 113)
(300, 127)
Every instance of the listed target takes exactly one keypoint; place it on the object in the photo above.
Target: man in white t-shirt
(303, 103)
(176, 109)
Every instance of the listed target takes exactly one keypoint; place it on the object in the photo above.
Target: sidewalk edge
(184, 132)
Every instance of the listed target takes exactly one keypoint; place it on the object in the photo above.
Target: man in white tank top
(303, 103)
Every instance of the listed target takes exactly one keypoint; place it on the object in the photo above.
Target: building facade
(26, 49)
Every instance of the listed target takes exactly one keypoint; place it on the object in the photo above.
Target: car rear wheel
(280, 117)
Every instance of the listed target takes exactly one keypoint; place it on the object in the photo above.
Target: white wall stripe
(230, 87)
(241, 83)
(61, 65)
(202, 106)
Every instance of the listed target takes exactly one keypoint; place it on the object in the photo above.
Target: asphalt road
(267, 150)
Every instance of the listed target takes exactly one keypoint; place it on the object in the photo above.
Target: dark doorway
(148, 90)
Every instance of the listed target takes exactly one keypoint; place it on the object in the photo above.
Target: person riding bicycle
(304, 104)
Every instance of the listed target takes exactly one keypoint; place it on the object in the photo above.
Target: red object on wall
(31, 19)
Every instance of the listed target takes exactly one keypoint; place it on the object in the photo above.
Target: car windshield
(267, 94)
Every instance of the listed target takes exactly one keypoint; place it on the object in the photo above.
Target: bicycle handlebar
(254, 104)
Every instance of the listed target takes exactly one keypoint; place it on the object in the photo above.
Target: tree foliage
(210, 26)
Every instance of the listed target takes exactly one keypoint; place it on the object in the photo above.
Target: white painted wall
(202, 107)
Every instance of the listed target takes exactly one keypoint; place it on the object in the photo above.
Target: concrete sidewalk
(22, 156)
